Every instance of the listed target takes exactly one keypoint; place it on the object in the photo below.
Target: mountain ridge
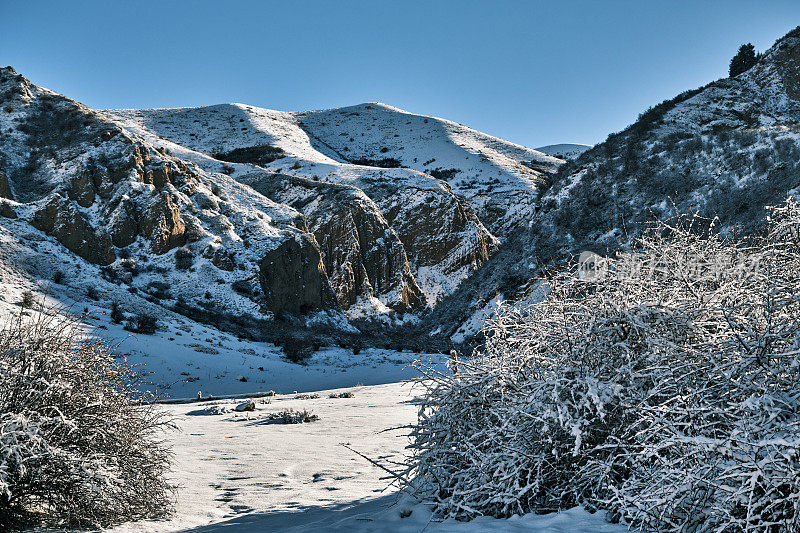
(231, 207)
(368, 216)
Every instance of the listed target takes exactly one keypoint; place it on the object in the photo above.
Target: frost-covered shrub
(28, 299)
(79, 446)
(662, 386)
(290, 416)
(298, 349)
(184, 258)
(117, 316)
(143, 323)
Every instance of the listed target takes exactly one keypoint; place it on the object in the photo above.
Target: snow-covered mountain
(726, 149)
(393, 215)
(365, 212)
(500, 180)
(90, 205)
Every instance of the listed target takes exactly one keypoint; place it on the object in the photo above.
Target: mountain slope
(135, 220)
(500, 180)
(243, 215)
(727, 150)
(438, 213)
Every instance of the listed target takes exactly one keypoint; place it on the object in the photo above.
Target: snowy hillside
(423, 221)
(239, 214)
(727, 150)
(500, 180)
(94, 208)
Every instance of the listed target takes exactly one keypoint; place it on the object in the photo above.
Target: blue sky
(531, 72)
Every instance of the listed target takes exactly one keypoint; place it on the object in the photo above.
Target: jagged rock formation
(400, 238)
(293, 277)
(363, 256)
(117, 201)
(60, 218)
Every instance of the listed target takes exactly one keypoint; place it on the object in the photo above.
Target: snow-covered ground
(189, 358)
(240, 472)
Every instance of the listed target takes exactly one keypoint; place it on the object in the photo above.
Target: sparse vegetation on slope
(260, 155)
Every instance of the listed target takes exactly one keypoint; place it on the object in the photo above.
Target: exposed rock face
(159, 176)
(5, 188)
(293, 278)
(7, 211)
(437, 228)
(220, 258)
(82, 190)
(366, 259)
(370, 250)
(123, 223)
(362, 254)
(62, 220)
(163, 225)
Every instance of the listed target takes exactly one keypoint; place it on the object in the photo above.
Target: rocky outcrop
(366, 258)
(5, 188)
(6, 210)
(123, 223)
(82, 190)
(162, 224)
(61, 219)
(220, 258)
(159, 222)
(293, 278)
(363, 256)
(436, 227)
